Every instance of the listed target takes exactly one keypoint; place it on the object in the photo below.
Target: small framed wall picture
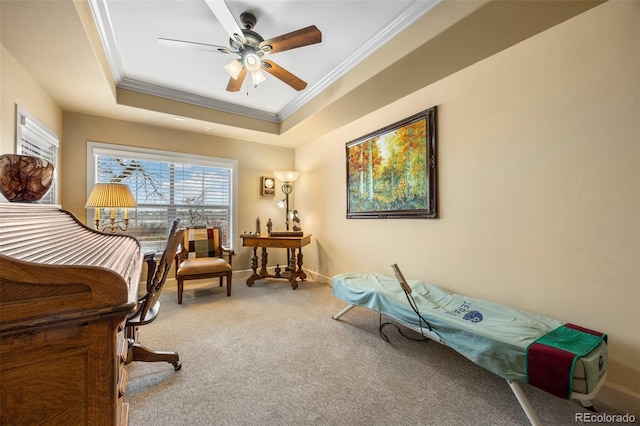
(268, 187)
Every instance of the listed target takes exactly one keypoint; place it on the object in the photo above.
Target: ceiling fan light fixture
(251, 47)
(257, 77)
(234, 68)
(252, 62)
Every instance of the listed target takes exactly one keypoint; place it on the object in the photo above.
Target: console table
(292, 243)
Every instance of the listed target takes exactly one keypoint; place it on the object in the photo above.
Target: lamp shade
(257, 77)
(286, 176)
(111, 195)
(234, 68)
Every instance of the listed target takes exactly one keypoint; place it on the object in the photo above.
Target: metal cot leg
(587, 404)
(342, 312)
(524, 403)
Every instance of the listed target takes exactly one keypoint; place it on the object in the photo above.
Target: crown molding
(401, 21)
(193, 99)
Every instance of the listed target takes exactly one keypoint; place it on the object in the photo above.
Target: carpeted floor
(269, 355)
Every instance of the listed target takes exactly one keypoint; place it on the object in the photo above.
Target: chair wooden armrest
(229, 251)
(181, 256)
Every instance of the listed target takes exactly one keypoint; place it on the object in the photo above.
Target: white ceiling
(351, 31)
(132, 78)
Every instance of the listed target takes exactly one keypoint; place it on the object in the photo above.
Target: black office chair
(149, 306)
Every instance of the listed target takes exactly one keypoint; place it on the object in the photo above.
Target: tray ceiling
(351, 31)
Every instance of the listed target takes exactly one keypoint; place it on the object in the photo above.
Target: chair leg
(228, 284)
(137, 352)
(180, 288)
(221, 281)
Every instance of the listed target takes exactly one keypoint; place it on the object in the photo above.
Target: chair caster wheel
(177, 366)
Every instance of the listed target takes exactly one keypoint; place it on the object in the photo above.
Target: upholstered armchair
(202, 256)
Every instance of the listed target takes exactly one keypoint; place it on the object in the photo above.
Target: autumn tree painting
(389, 172)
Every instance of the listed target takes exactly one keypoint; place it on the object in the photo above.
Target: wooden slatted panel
(43, 234)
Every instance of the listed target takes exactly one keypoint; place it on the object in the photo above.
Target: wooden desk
(66, 292)
(292, 243)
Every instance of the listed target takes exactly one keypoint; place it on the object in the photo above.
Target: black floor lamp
(287, 177)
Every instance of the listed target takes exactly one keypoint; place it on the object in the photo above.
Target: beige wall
(538, 185)
(254, 161)
(19, 88)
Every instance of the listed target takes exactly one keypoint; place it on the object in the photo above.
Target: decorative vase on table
(23, 178)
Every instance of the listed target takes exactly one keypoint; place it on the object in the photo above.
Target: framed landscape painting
(392, 172)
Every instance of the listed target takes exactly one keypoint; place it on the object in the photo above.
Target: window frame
(94, 148)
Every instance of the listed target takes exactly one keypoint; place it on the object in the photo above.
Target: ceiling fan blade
(192, 45)
(235, 84)
(284, 75)
(224, 15)
(298, 38)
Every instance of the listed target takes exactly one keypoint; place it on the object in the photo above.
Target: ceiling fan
(251, 47)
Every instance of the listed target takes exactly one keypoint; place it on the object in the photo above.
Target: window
(35, 139)
(196, 189)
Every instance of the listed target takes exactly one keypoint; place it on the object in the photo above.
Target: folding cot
(521, 347)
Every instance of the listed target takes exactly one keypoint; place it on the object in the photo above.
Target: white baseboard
(318, 277)
(243, 274)
(619, 398)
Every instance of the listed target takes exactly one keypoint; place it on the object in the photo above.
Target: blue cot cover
(491, 335)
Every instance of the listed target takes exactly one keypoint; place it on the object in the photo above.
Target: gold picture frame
(391, 173)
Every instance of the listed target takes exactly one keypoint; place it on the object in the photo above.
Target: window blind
(35, 139)
(197, 191)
